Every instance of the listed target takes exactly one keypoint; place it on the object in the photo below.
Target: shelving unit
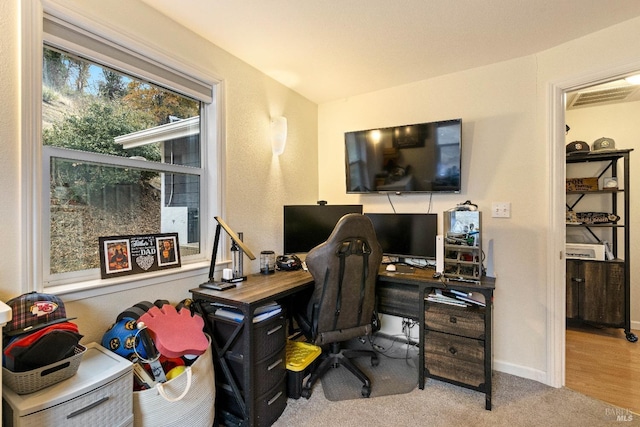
(463, 245)
(598, 291)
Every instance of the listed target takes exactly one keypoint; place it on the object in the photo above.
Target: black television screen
(306, 226)
(406, 235)
(422, 157)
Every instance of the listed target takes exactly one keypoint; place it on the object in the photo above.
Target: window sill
(99, 287)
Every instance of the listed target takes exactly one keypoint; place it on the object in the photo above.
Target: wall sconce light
(278, 134)
(634, 80)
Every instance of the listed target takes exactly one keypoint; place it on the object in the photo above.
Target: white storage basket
(188, 399)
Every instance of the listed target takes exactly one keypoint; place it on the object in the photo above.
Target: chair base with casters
(337, 357)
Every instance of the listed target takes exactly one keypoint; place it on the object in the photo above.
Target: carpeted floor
(396, 373)
(516, 402)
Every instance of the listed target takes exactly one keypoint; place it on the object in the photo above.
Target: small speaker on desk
(439, 253)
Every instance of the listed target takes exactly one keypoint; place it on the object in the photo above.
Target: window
(123, 151)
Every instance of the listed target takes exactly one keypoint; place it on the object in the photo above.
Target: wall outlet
(501, 209)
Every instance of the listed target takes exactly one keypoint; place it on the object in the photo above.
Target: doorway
(599, 361)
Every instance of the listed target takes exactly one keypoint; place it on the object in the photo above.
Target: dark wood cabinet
(457, 346)
(598, 290)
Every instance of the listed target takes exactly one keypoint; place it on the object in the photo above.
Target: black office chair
(344, 269)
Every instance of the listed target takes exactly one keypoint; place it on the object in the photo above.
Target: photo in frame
(134, 254)
(117, 256)
(166, 247)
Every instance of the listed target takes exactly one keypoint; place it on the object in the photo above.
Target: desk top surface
(424, 277)
(259, 288)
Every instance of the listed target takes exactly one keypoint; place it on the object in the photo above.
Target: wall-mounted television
(416, 158)
(406, 235)
(306, 226)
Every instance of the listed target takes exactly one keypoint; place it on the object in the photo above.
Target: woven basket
(188, 399)
(36, 379)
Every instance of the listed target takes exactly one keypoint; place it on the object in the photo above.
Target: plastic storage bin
(100, 394)
(300, 358)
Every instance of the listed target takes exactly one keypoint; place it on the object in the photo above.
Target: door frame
(556, 271)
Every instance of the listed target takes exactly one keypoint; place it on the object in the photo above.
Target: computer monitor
(406, 235)
(306, 226)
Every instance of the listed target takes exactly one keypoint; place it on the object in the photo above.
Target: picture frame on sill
(134, 254)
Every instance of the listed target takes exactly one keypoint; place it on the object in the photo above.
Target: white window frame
(33, 203)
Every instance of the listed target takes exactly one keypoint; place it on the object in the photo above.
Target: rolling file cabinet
(264, 381)
(99, 394)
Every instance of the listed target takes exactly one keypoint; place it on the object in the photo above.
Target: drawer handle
(453, 319)
(453, 350)
(88, 408)
(274, 330)
(274, 398)
(274, 364)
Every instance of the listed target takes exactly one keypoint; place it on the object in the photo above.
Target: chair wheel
(366, 391)
(375, 361)
(306, 393)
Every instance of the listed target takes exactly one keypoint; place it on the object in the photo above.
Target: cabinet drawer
(398, 300)
(455, 358)
(466, 322)
(110, 404)
(268, 336)
(266, 373)
(268, 407)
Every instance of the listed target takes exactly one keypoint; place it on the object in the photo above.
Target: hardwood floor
(602, 364)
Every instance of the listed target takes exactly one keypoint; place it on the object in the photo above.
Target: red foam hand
(175, 334)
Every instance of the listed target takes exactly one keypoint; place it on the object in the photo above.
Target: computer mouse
(391, 267)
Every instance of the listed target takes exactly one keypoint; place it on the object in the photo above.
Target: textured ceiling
(333, 49)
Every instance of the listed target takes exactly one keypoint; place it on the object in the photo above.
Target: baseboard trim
(521, 371)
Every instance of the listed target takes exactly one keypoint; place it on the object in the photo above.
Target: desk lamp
(237, 249)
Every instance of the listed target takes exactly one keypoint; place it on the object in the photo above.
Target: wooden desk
(247, 343)
(454, 343)
(399, 294)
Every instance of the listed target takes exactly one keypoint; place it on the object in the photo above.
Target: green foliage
(49, 95)
(94, 131)
(113, 86)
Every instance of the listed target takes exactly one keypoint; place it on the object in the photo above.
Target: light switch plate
(501, 210)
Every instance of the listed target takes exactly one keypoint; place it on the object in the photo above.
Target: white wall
(507, 156)
(256, 184)
(498, 164)
(619, 122)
